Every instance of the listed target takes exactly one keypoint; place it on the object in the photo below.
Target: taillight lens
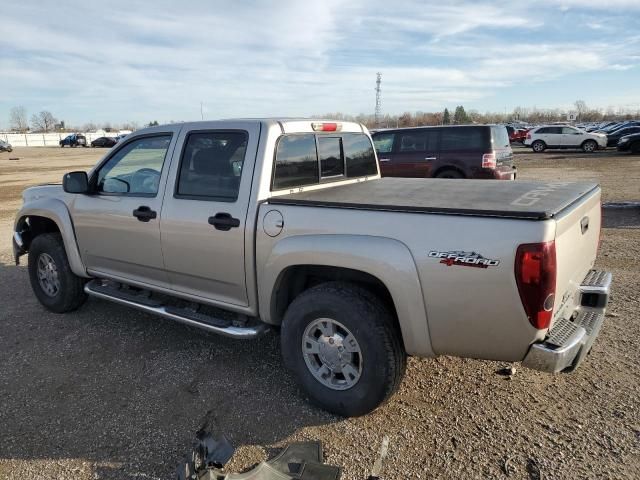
(489, 160)
(326, 126)
(536, 278)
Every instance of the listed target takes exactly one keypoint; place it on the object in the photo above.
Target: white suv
(562, 136)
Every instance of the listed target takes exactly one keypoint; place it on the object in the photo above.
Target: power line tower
(378, 111)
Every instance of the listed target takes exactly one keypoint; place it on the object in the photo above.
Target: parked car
(74, 140)
(5, 146)
(556, 136)
(106, 142)
(616, 135)
(516, 135)
(287, 223)
(473, 151)
(121, 136)
(630, 143)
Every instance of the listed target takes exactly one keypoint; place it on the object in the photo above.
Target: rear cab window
(310, 159)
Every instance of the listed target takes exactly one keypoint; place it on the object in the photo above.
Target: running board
(96, 289)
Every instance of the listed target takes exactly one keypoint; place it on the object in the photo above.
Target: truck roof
(286, 124)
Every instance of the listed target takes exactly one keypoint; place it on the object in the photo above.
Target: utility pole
(378, 110)
(201, 112)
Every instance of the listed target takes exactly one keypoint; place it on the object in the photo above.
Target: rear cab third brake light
(536, 271)
(326, 126)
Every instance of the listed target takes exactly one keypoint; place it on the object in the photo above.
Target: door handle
(144, 213)
(224, 221)
(430, 158)
(385, 159)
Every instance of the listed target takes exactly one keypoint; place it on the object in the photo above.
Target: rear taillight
(528, 136)
(536, 279)
(489, 160)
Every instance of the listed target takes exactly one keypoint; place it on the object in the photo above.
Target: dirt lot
(109, 393)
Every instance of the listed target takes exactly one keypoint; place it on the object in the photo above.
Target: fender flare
(57, 211)
(390, 261)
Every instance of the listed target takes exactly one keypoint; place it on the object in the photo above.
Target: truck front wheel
(343, 346)
(57, 288)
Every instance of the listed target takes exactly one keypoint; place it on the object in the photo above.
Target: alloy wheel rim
(48, 275)
(332, 354)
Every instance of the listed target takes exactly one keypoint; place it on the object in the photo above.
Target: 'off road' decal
(464, 259)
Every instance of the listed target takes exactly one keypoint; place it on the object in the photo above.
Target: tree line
(45, 122)
(462, 116)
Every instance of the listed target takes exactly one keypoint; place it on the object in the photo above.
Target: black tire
(379, 339)
(449, 173)
(538, 146)
(70, 294)
(589, 146)
(635, 148)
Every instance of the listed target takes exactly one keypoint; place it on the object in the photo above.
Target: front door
(571, 137)
(205, 212)
(384, 148)
(118, 225)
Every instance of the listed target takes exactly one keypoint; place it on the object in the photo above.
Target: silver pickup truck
(240, 226)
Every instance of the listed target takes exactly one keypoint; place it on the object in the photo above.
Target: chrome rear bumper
(570, 340)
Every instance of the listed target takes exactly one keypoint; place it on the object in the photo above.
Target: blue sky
(142, 61)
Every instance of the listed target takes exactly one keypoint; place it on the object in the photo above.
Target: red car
(516, 134)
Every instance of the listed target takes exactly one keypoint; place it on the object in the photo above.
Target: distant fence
(45, 139)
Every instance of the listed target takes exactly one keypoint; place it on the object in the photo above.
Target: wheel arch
(298, 263)
(444, 168)
(48, 216)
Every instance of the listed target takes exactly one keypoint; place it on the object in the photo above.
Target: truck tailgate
(577, 237)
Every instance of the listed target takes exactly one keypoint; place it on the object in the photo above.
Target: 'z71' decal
(464, 259)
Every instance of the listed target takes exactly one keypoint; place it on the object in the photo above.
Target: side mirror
(75, 182)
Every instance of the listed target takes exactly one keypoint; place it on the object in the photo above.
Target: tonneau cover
(509, 199)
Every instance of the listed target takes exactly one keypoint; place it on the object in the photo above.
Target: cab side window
(211, 166)
(134, 169)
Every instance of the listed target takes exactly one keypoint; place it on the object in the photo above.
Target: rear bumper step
(146, 304)
(570, 339)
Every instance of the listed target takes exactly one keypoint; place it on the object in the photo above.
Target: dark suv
(74, 140)
(465, 151)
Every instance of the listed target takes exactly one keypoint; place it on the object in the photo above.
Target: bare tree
(581, 108)
(18, 119)
(43, 121)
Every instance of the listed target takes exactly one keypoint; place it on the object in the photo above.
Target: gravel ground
(110, 393)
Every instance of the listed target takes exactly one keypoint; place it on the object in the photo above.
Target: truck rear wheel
(57, 288)
(343, 346)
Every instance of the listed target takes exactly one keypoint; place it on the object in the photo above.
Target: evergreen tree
(446, 117)
(460, 116)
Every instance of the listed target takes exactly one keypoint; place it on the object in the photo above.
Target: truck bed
(519, 200)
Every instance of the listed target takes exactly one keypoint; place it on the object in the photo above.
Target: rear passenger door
(415, 152)
(205, 212)
(552, 136)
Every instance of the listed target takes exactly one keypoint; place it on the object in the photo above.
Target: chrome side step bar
(245, 332)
